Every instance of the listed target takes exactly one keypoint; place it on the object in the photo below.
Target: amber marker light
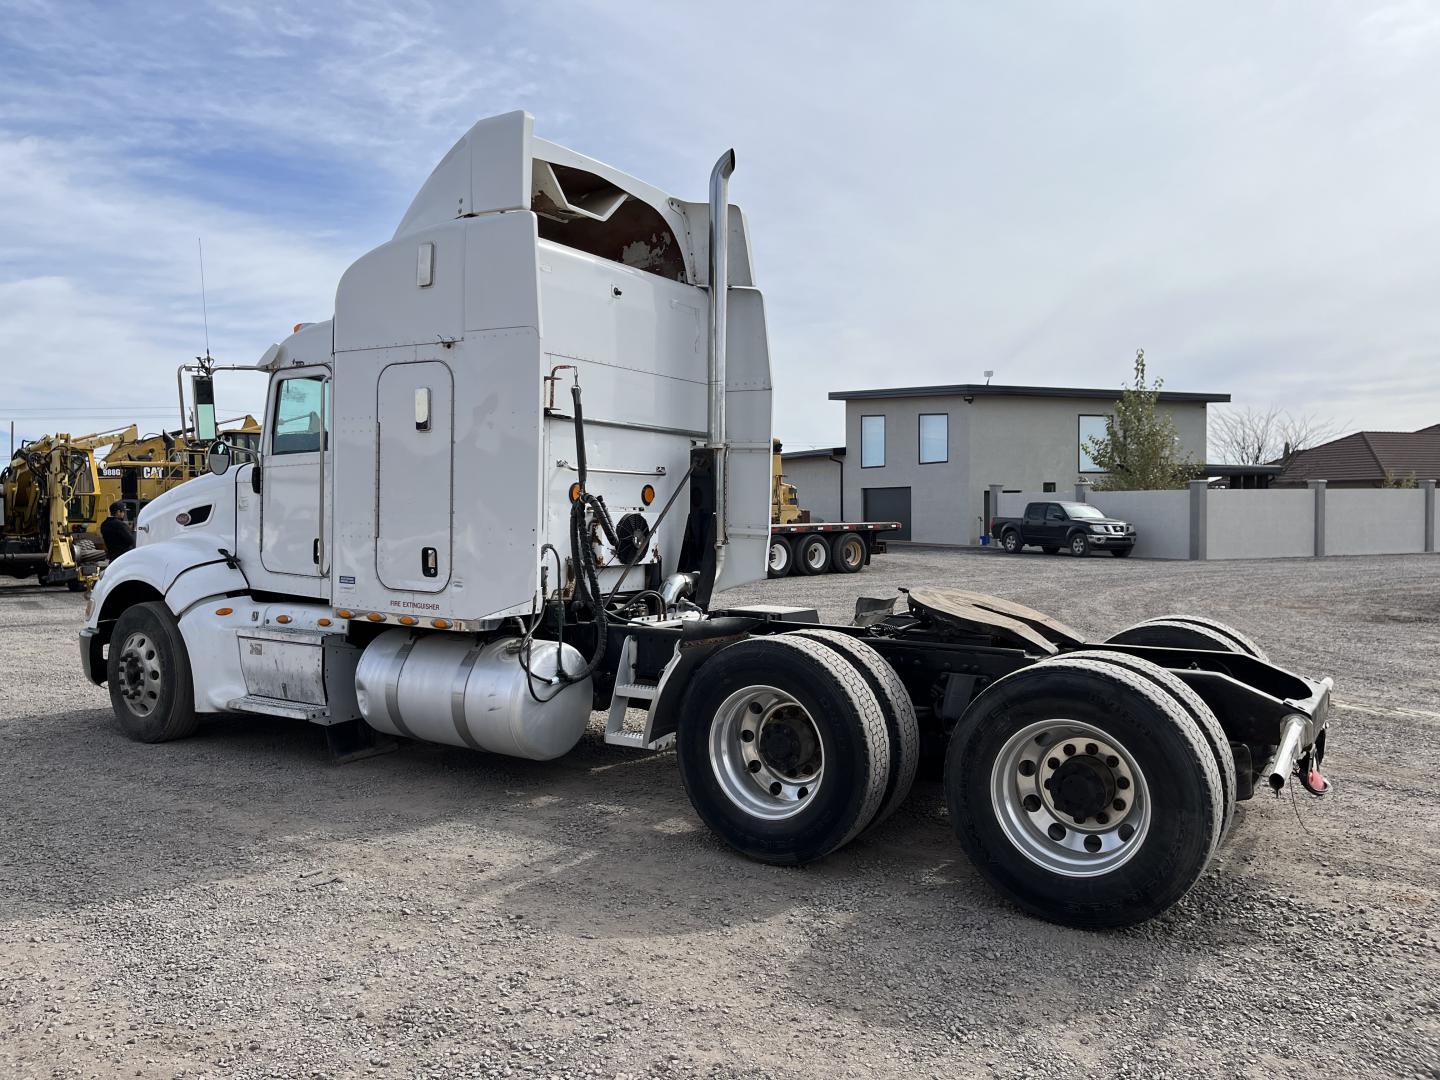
(375, 616)
(407, 620)
(440, 624)
(224, 610)
(575, 492)
(282, 618)
(647, 494)
(322, 622)
(344, 614)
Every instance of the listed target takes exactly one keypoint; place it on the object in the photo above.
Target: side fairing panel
(747, 418)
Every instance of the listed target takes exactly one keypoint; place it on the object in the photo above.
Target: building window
(1048, 487)
(872, 442)
(934, 438)
(1091, 427)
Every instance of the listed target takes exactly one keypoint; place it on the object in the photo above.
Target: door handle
(429, 562)
(315, 552)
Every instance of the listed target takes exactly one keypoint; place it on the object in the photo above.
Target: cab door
(293, 498)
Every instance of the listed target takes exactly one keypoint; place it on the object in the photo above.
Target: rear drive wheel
(1189, 632)
(900, 722)
(814, 555)
(1198, 711)
(847, 553)
(1079, 544)
(782, 557)
(1011, 541)
(783, 749)
(148, 671)
(1084, 792)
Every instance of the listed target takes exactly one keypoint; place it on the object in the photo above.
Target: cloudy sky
(1247, 190)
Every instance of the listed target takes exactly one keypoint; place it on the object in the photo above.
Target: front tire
(1084, 793)
(148, 671)
(1079, 545)
(783, 749)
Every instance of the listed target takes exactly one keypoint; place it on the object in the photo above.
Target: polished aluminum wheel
(766, 752)
(140, 671)
(1070, 797)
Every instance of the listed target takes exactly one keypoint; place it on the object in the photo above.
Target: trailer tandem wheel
(782, 557)
(1084, 792)
(812, 554)
(1189, 632)
(783, 749)
(900, 721)
(1199, 711)
(148, 671)
(847, 553)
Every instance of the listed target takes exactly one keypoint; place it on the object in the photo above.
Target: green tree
(1140, 450)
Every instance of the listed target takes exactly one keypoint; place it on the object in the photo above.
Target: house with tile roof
(1367, 459)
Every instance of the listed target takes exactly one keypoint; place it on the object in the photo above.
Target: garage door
(889, 504)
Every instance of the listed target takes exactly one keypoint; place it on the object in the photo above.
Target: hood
(157, 520)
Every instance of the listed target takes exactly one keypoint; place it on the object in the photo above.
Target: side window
(872, 442)
(1055, 513)
(301, 405)
(1035, 512)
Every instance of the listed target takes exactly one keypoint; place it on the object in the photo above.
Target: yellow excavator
(137, 470)
(48, 496)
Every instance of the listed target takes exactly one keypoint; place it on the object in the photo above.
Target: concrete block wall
(1278, 523)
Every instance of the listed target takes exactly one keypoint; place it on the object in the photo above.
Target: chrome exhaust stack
(1294, 732)
(719, 306)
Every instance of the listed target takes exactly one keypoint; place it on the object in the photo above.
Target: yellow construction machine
(137, 470)
(48, 496)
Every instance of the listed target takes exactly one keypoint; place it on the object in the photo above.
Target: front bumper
(92, 655)
(1112, 540)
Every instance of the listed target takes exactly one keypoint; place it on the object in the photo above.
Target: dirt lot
(235, 905)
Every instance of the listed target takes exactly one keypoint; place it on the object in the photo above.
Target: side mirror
(218, 459)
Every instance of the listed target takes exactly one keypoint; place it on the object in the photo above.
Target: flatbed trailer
(432, 543)
(842, 547)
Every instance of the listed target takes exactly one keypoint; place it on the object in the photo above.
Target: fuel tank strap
(392, 688)
(457, 697)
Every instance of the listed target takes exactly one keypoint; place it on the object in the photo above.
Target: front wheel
(148, 671)
(1079, 545)
(1084, 792)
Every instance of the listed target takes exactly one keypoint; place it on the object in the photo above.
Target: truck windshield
(1082, 511)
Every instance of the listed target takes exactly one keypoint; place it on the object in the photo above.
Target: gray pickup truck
(1078, 527)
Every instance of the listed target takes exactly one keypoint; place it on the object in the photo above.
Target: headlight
(1097, 528)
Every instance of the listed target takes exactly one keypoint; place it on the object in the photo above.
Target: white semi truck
(499, 489)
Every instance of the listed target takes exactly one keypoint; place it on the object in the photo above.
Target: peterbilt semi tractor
(500, 490)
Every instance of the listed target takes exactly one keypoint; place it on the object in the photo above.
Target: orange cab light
(322, 622)
(344, 614)
(282, 618)
(647, 494)
(407, 620)
(224, 610)
(575, 492)
(440, 624)
(375, 616)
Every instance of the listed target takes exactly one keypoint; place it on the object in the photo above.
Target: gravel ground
(234, 905)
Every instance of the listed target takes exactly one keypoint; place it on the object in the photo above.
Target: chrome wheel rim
(1070, 798)
(140, 673)
(766, 752)
(779, 555)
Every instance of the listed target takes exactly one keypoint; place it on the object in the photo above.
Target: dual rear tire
(792, 745)
(1090, 791)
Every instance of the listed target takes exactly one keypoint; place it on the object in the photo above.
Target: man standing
(116, 534)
